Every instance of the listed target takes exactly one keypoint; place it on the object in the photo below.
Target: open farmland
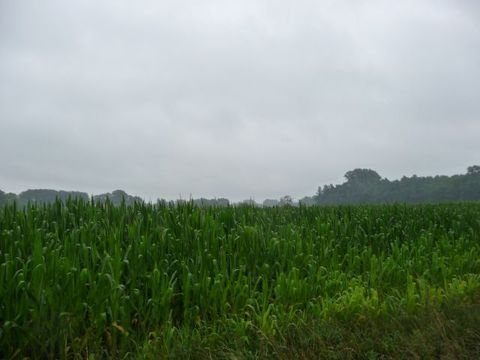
(87, 281)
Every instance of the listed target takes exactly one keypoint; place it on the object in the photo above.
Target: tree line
(45, 196)
(367, 186)
(361, 186)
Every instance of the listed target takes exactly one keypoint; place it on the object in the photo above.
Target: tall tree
(475, 169)
(362, 176)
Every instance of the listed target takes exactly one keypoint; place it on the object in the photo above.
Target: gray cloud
(236, 99)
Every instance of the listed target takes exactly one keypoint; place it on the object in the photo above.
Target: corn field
(84, 280)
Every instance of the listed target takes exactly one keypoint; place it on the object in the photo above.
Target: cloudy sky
(234, 99)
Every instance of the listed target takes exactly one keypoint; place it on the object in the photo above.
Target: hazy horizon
(235, 100)
(190, 196)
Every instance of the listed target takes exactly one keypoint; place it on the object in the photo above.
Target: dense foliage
(47, 196)
(89, 280)
(366, 186)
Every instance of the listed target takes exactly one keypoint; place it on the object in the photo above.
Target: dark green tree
(366, 186)
(363, 176)
(472, 170)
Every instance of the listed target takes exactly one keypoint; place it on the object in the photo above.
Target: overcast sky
(238, 99)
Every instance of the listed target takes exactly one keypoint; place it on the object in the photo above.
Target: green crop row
(86, 280)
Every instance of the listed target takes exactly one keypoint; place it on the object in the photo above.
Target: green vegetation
(47, 196)
(362, 186)
(86, 280)
(366, 186)
(116, 197)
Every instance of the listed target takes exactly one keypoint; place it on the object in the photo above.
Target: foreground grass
(448, 333)
(84, 280)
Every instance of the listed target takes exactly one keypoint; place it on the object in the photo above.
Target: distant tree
(117, 197)
(286, 200)
(475, 169)
(270, 203)
(364, 176)
(11, 197)
(119, 193)
(307, 201)
(366, 186)
(44, 196)
(249, 202)
(222, 202)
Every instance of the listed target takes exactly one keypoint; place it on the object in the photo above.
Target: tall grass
(90, 280)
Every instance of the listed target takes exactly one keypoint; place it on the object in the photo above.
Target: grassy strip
(444, 332)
